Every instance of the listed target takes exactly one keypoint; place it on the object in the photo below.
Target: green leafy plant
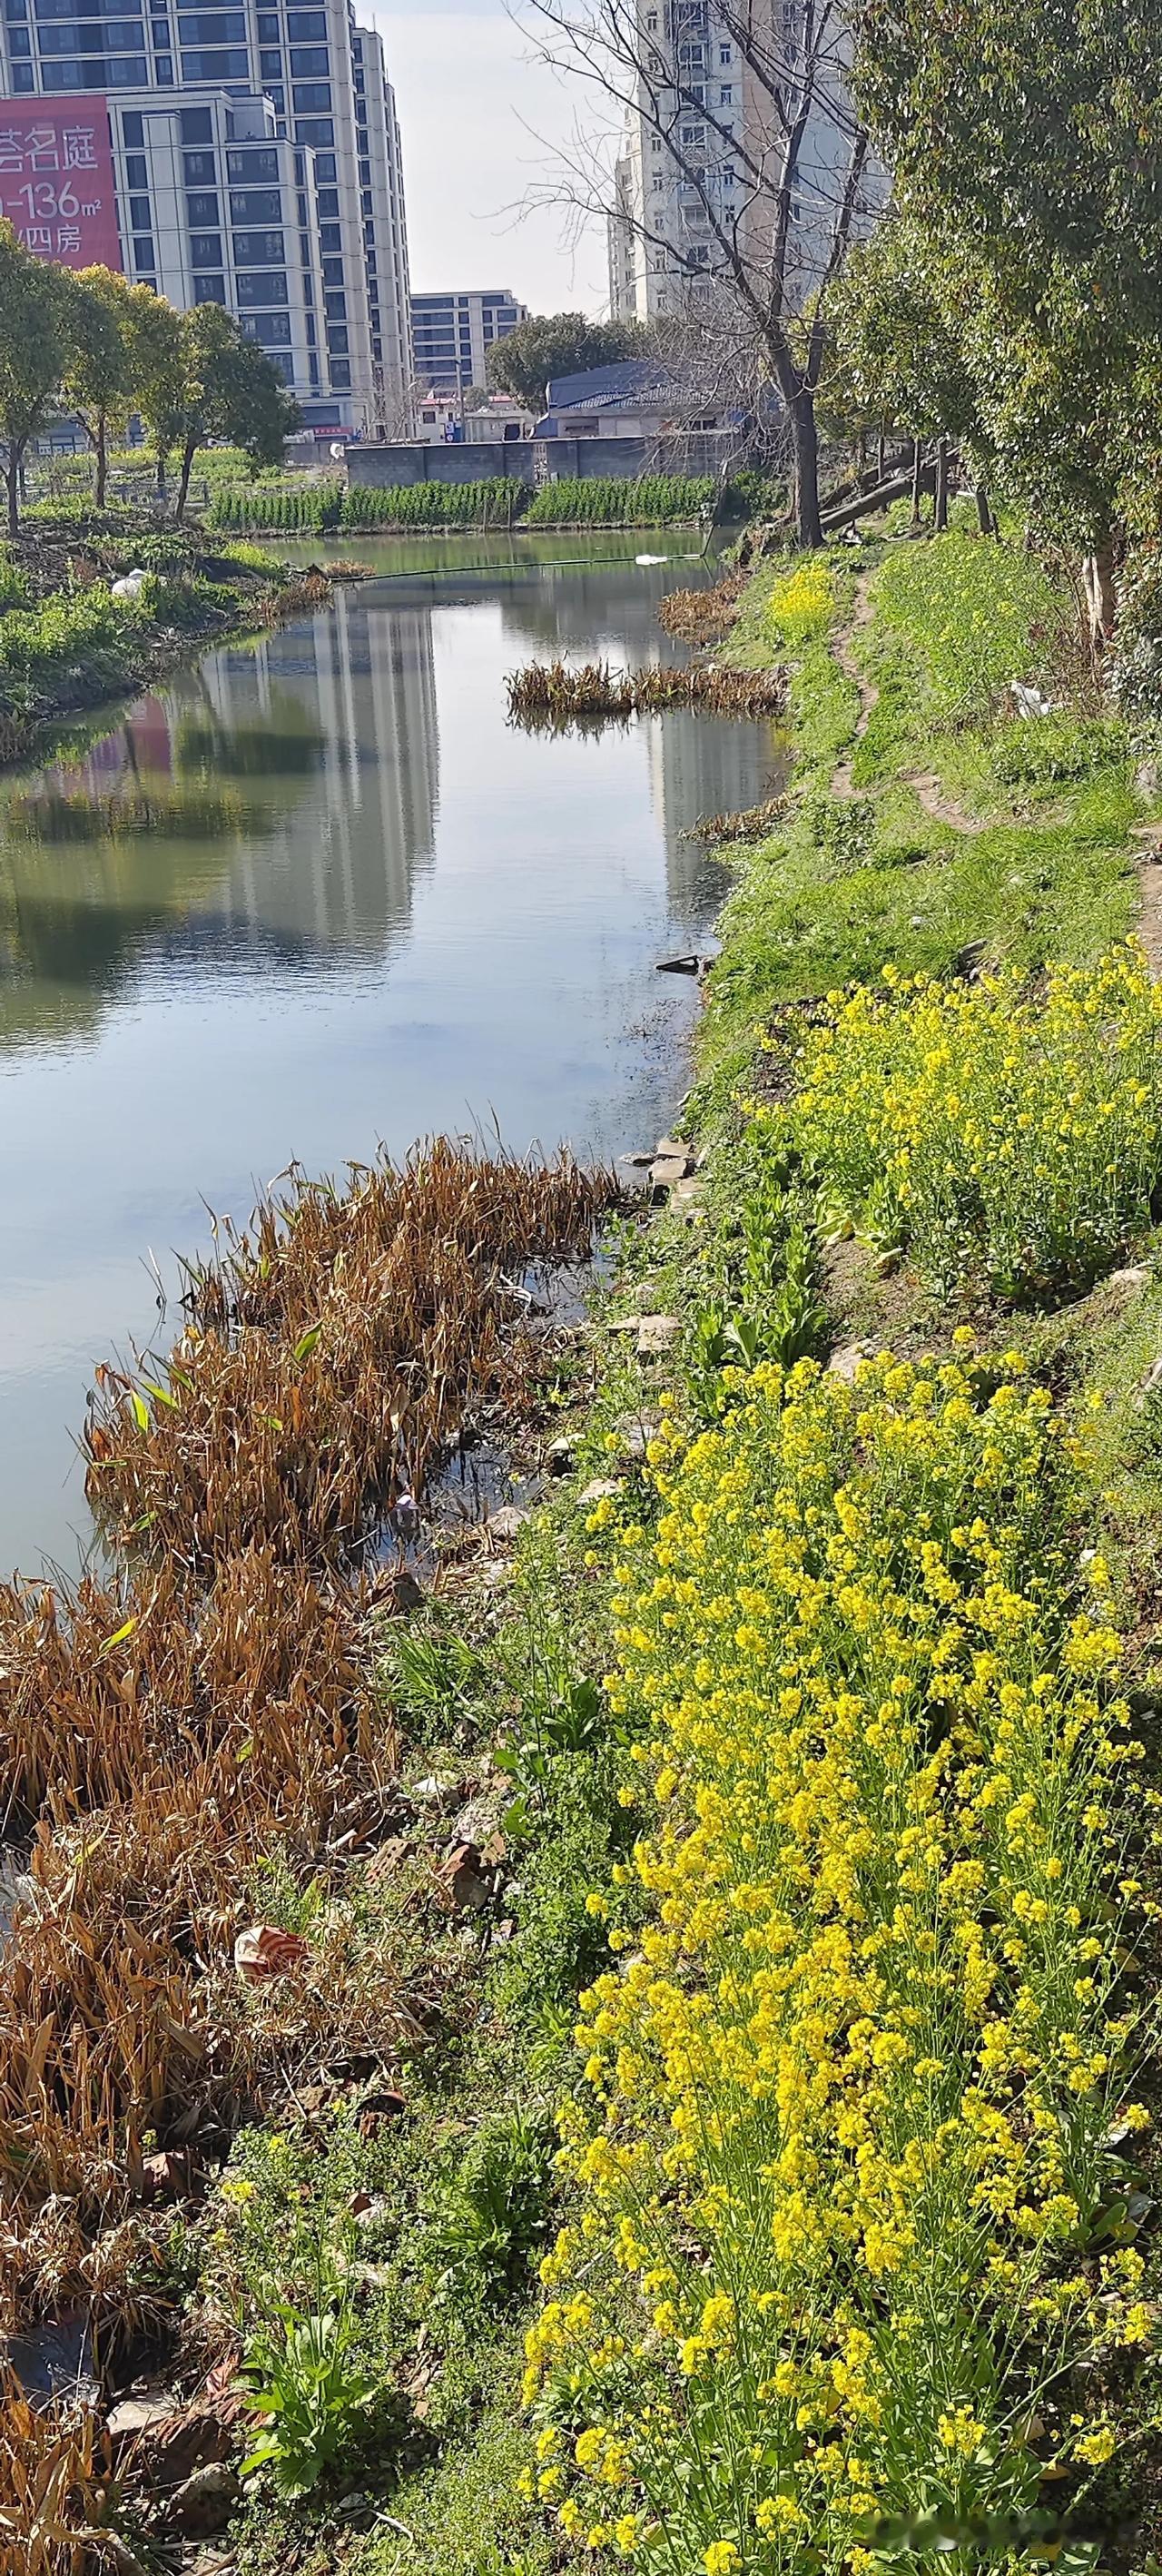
(495, 2211)
(301, 2373)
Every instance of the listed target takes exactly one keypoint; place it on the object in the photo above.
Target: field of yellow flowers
(853, 2273)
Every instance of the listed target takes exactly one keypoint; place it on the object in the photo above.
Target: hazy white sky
(472, 105)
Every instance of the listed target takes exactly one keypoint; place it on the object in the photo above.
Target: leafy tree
(558, 344)
(232, 391)
(158, 345)
(99, 380)
(37, 303)
(1032, 141)
(899, 347)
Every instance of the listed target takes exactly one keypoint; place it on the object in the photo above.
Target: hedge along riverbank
(326, 508)
(850, 2267)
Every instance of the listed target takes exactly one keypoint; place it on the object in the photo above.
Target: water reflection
(314, 895)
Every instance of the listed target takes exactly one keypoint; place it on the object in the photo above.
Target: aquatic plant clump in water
(335, 1352)
(555, 694)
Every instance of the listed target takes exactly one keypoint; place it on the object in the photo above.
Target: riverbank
(791, 1729)
(68, 644)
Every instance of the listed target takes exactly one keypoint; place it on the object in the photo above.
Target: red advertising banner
(56, 178)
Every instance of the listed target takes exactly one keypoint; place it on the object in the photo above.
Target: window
(142, 252)
(316, 130)
(332, 272)
(273, 329)
(255, 206)
(257, 250)
(726, 95)
(139, 215)
(231, 65)
(202, 208)
(307, 26)
(136, 170)
(694, 135)
(205, 250)
(658, 181)
(724, 57)
(366, 202)
(248, 165)
(198, 165)
(327, 200)
(19, 41)
(263, 286)
(309, 95)
(337, 340)
(335, 307)
(330, 238)
(197, 126)
(225, 27)
(163, 70)
(340, 373)
(269, 32)
(310, 62)
(270, 66)
(325, 171)
(132, 126)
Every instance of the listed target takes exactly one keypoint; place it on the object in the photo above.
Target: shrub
(984, 1128)
(605, 501)
(843, 2135)
(495, 503)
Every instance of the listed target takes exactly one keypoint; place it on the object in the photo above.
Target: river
(364, 909)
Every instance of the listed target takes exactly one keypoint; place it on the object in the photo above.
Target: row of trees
(88, 343)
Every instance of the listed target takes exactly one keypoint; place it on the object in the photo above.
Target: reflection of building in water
(700, 766)
(335, 867)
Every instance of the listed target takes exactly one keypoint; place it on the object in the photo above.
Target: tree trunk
(12, 479)
(917, 479)
(941, 518)
(809, 526)
(881, 456)
(188, 453)
(102, 459)
(1101, 597)
(159, 487)
(984, 516)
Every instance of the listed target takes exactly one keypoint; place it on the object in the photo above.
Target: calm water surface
(364, 909)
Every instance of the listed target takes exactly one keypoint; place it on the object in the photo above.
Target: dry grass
(700, 617)
(337, 1349)
(166, 1734)
(551, 693)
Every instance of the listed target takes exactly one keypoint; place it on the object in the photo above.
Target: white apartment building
(702, 110)
(452, 335)
(257, 165)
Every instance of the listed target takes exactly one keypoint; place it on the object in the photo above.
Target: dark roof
(632, 384)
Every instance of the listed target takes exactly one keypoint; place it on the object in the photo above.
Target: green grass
(846, 886)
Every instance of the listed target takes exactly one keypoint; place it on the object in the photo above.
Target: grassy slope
(841, 890)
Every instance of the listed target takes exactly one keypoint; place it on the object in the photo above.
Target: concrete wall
(526, 460)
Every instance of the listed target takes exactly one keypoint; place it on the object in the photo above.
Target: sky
(481, 121)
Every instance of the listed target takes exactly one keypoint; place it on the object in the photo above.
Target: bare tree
(743, 194)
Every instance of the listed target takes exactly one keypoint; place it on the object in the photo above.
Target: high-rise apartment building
(256, 164)
(702, 151)
(452, 335)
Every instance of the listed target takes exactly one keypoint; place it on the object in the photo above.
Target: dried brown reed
(700, 617)
(751, 823)
(169, 1731)
(49, 2490)
(551, 693)
(338, 1346)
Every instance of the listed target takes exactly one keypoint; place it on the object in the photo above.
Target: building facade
(702, 153)
(257, 165)
(452, 335)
